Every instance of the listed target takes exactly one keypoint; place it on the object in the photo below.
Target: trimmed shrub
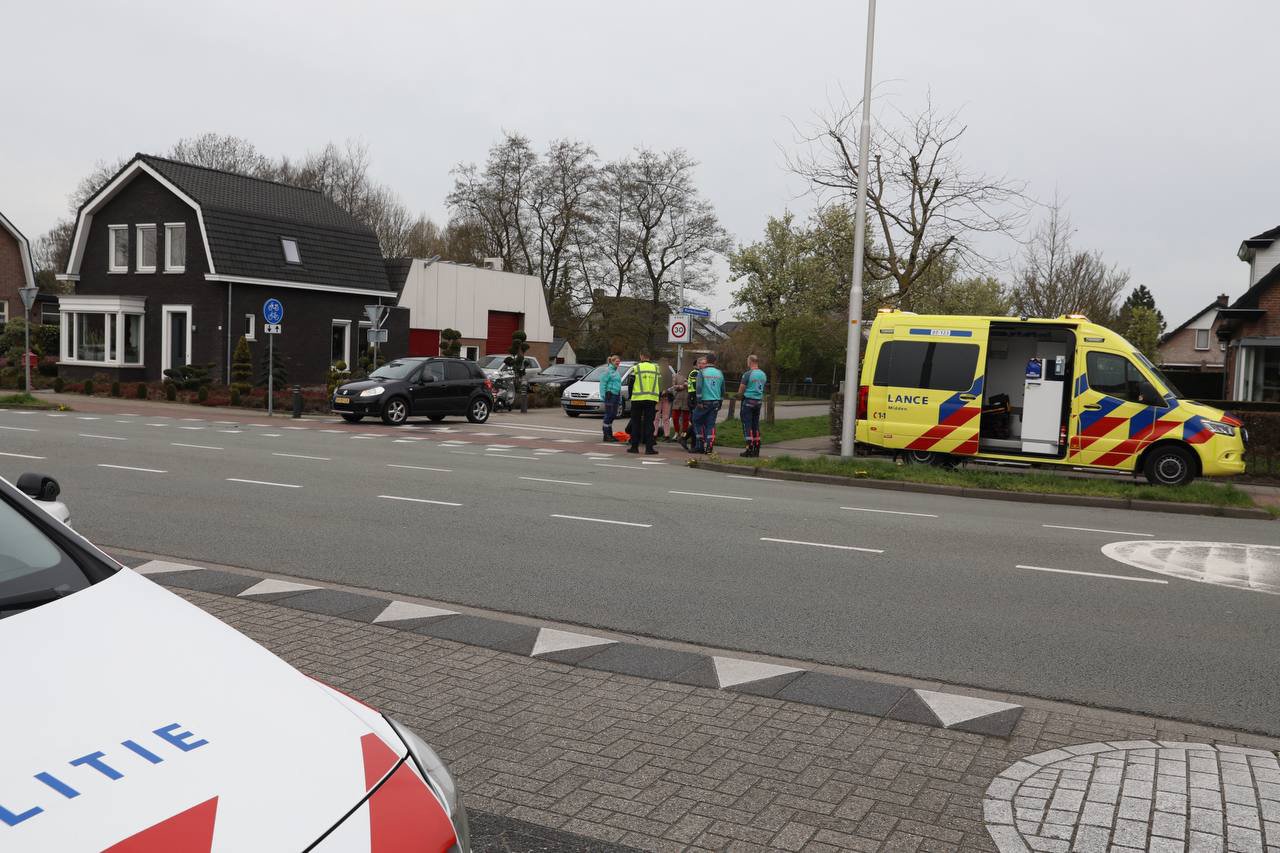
(202, 394)
(115, 389)
(58, 384)
(141, 391)
(87, 390)
(170, 391)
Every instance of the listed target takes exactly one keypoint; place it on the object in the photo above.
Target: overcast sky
(1151, 119)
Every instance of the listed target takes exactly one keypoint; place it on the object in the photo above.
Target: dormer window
(290, 247)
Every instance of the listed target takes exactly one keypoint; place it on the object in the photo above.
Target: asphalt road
(513, 516)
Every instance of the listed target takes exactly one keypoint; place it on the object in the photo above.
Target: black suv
(434, 387)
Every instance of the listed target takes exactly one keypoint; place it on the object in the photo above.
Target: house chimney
(493, 264)
(1224, 300)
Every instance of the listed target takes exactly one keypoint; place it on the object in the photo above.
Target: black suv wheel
(478, 411)
(395, 412)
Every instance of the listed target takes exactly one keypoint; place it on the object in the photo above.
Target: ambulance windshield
(1160, 377)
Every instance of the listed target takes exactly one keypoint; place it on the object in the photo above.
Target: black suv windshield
(33, 568)
(395, 370)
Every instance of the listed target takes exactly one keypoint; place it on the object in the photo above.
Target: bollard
(297, 401)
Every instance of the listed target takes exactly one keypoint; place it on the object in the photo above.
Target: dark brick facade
(13, 276)
(304, 344)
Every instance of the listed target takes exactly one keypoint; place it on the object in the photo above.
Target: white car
(583, 396)
(134, 721)
(494, 365)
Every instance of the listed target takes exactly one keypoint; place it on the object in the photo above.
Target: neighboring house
(486, 305)
(172, 264)
(1250, 326)
(561, 352)
(1193, 357)
(16, 272)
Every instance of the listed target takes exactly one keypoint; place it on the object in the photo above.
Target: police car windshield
(1160, 377)
(594, 376)
(395, 370)
(32, 566)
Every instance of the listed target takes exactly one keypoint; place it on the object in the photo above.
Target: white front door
(176, 338)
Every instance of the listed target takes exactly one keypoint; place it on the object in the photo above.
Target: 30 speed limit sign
(678, 331)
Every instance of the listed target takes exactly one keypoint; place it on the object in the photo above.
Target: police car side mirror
(39, 486)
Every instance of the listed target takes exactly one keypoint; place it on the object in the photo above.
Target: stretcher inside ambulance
(940, 389)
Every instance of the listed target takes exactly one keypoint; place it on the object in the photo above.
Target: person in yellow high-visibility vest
(645, 382)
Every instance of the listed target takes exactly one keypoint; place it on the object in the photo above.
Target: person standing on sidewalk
(679, 412)
(662, 421)
(710, 396)
(611, 394)
(689, 438)
(644, 381)
(751, 388)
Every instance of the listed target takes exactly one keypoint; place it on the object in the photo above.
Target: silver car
(583, 396)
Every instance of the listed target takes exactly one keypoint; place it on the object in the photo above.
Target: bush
(47, 368)
(115, 389)
(141, 391)
(202, 394)
(235, 396)
(170, 391)
(87, 390)
(242, 367)
(9, 377)
(58, 384)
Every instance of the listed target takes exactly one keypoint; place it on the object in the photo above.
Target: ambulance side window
(1117, 376)
(920, 364)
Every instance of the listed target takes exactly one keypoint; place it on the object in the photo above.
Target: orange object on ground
(622, 436)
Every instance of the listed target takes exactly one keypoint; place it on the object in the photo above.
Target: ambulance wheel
(1169, 465)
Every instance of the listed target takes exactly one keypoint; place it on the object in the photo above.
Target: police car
(134, 721)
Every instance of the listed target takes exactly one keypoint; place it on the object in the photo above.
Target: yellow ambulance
(940, 389)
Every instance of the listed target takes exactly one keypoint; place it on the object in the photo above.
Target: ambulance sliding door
(927, 389)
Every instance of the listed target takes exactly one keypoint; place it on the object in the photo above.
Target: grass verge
(729, 433)
(24, 401)
(1200, 491)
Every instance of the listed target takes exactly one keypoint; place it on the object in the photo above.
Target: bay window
(104, 330)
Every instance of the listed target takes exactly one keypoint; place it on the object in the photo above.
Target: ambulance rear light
(863, 392)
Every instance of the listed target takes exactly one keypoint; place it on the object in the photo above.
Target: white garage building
(485, 304)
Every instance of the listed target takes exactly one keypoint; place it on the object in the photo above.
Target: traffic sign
(696, 312)
(273, 311)
(378, 336)
(28, 295)
(271, 328)
(678, 330)
(376, 314)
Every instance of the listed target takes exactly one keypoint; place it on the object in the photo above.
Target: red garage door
(424, 342)
(502, 324)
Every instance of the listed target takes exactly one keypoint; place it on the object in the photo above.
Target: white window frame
(346, 348)
(138, 265)
(113, 314)
(4, 311)
(112, 231)
(1207, 346)
(285, 242)
(469, 352)
(168, 237)
(251, 330)
(165, 312)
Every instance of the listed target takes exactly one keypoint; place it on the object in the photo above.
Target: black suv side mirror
(39, 486)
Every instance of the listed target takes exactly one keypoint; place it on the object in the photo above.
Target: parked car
(144, 723)
(410, 387)
(583, 396)
(557, 377)
(492, 365)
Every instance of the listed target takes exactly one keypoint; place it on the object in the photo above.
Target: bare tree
(607, 247)
(224, 152)
(561, 205)
(1054, 278)
(924, 204)
(497, 198)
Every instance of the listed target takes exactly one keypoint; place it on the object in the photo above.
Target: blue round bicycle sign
(273, 311)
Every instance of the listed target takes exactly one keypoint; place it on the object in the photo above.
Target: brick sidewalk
(663, 766)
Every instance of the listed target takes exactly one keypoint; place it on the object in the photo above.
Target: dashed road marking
(107, 437)
(132, 468)
(626, 467)
(263, 483)
(20, 429)
(87, 418)
(1095, 530)
(1091, 574)
(708, 495)
(21, 456)
(600, 520)
(510, 456)
(422, 468)
(822, 545)
(561, 482)
(889, 511)
(418, 500)
(301, 456)
(195, 446)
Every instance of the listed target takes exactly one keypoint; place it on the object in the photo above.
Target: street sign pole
(680, 347)
(28, 295)
(854, 341)
(271, 374)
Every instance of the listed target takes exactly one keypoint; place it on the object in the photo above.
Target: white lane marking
(561, 482)
(1091, 574)
(512, 425)
(195, 446)
(131, 468)
(228, 431)
(20, 429)
(454, 442)
(418, 500)
(648, 462)
(293, 427)
(165, 425)
(822, 545)
(266, 434)
(567, 440)
(365, 437)
(626, 467)
(21, 456)
(756, 479)
(226, 423)
(50, 415)
(1095, 530)
(422, 468)
(87, 418)
(465, 452)
(263, 483)
(500, 447)
(600, 520)
(300, 456)
(190, 427)
(409, 440)
(527, 437)
(486, 434)
(337, 431)
(107, 437)
(889, 511)
(193, 419)
(509, 456)
(707, 495)
(126, 422)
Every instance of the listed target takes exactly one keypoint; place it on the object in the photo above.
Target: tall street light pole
(854, 341)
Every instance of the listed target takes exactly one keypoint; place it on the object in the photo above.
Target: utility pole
(854, 341)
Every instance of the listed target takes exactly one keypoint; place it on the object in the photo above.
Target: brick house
(172, 264)
(16, 272)
(1193, 357)
(1250, 326)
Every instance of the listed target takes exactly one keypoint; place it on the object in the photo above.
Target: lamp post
(854, 341)
(28, 295)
